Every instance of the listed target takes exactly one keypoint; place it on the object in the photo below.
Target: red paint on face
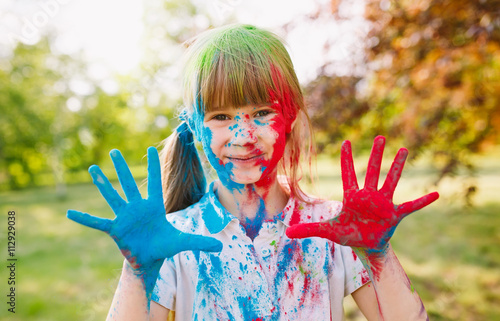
(249, 141)
(277, 124)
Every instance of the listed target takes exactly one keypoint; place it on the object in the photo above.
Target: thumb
(193, 242)
(319, 229)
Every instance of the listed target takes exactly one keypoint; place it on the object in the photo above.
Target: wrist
(374, 260)
(147, 277)
(141, 271)
(373, 254)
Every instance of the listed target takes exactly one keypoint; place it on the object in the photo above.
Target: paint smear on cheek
(224, 172)
(277, 129)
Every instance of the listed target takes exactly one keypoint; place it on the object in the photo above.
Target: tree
(431, 81)
(57, 120)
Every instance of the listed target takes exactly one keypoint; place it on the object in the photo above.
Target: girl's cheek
(276, 128)
(206, 140)
(211, 148)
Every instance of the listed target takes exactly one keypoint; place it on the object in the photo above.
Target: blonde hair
(239, 65)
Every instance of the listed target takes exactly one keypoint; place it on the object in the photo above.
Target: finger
(394, 174)
(412, 206)
(125, 176)
(193, 242)
(110, 194)
(373, 170)
(349, 180)
(154, 173)
(98, 223)
(318, 229)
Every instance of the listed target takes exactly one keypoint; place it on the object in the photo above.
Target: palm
(144, 235)
(368, 217)
(140, 228)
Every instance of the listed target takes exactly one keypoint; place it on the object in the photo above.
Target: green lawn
(68, 272)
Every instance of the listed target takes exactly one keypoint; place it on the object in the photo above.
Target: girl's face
(244, 144)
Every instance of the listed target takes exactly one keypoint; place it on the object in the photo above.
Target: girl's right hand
(140, 228)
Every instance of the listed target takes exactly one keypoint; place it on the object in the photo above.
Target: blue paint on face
(223, 171)
(259, 123)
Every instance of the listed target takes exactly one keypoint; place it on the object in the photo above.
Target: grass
(450, 252)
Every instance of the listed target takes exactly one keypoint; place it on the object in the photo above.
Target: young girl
(252, 246)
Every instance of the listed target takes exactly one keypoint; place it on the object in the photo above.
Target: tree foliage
(57, 120)
(432, 81)
(436, 75)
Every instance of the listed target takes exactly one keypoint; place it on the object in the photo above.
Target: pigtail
(183, 180)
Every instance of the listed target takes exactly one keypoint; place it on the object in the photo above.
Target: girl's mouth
(245, 159)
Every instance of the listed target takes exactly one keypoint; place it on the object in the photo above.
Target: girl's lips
(245, 159)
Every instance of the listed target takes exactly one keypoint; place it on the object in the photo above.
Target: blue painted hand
(140, 228)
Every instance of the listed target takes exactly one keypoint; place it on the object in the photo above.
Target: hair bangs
(236, 79)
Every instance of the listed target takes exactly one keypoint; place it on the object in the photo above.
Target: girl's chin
(258, 179)
(245, 180)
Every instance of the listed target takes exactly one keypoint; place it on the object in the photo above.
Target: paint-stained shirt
(270, 278)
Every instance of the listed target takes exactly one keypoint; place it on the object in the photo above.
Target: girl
(253, 246)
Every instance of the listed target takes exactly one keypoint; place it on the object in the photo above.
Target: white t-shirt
(271, 278)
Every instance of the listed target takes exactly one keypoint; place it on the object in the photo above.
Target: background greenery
(450, 252)
(428, 78)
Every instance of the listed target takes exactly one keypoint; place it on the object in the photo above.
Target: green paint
(237, 65)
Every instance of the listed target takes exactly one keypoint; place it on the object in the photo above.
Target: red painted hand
(368, 217)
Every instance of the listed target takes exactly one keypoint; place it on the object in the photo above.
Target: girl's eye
(263, 113)
(221, 117)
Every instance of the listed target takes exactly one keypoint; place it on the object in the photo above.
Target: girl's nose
(244, 133)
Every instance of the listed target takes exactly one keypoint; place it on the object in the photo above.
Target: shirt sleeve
(355, 273)
(164, 292)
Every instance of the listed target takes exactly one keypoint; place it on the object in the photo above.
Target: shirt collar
(215, 216)
(291, 210)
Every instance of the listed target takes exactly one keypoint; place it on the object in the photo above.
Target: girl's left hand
(140, 228)
(369, 217)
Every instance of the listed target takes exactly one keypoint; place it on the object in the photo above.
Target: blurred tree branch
(431, 83)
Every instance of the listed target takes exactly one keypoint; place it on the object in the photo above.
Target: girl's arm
(366, 223)
(390, 296)
(130, 300)
(142, 233)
